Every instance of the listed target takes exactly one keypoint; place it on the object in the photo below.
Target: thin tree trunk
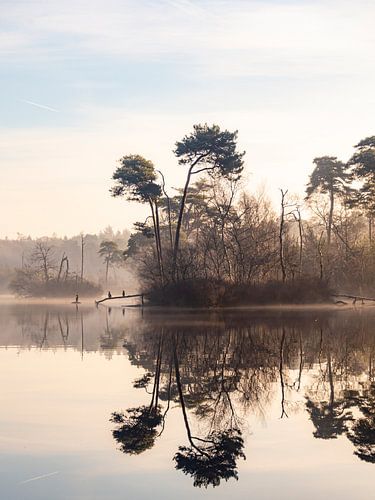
(63, 258)
(82, 256)
(370, 229)
(281, 234)
(67, 269)
(179, 223)
(331, 384)
(45, 269)
(320, 252)
(281, 371)
(182, 402)
(330, 219)
(300, 230)
(182, 208)
(157, 242)
(155, 389)
(106, 270)
(168, 210)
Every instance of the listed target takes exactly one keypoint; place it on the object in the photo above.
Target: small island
(214, 243)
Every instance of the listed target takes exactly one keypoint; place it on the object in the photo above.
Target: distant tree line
(214, 243)
(64, 266)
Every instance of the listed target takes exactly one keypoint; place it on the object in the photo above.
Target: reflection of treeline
(43, 327)
(223, 370)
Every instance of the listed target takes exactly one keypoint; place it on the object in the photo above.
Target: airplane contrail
(39, 477)
(185, 6)
(42, 106)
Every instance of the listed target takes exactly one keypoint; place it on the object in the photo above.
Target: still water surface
(107, 404)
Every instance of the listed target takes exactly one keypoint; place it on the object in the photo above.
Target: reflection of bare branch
(45, 327)
(281, 367)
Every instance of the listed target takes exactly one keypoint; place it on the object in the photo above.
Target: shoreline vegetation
(214, 244)
(85, 264)
(172, 309)
(210, 293)
(42, 276)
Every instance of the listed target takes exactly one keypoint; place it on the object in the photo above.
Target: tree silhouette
(214, 460)
(135, 178)
(329, 418)
(206, 149)
(111, 254)
(136, 428)
(362, 162)
(362, 165)
(329, 176)
(362, 433)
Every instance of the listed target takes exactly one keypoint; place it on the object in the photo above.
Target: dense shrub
(189, 293)
(213, 293)
(299, 291)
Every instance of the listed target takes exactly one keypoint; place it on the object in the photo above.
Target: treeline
(213, 243)
(64, 266)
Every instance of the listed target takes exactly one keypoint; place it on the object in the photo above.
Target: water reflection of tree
(362, 433)
(52, 327)
(331, 417)
(345, 360)
(136, 428)
(111, 336)
(213, 458)
(220, 371)
(208, 459)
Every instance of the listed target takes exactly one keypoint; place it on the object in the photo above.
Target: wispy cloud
(186, 6)
(38, 105)
(241, 38)
(296, 77)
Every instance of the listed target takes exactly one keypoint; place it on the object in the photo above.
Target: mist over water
(99, 401)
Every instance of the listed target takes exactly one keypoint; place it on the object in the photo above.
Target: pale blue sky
(84, 82)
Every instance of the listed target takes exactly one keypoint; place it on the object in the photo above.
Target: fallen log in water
(354, 297)
(141, 295)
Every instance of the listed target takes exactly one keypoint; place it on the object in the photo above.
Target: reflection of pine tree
(136, 431)
(208, 460)
(362, 434)
(330, 419)
(137, 427)
(215, 460)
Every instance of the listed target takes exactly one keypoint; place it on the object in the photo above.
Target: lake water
(106, 404)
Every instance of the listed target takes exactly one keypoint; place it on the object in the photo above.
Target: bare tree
(42, 258)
